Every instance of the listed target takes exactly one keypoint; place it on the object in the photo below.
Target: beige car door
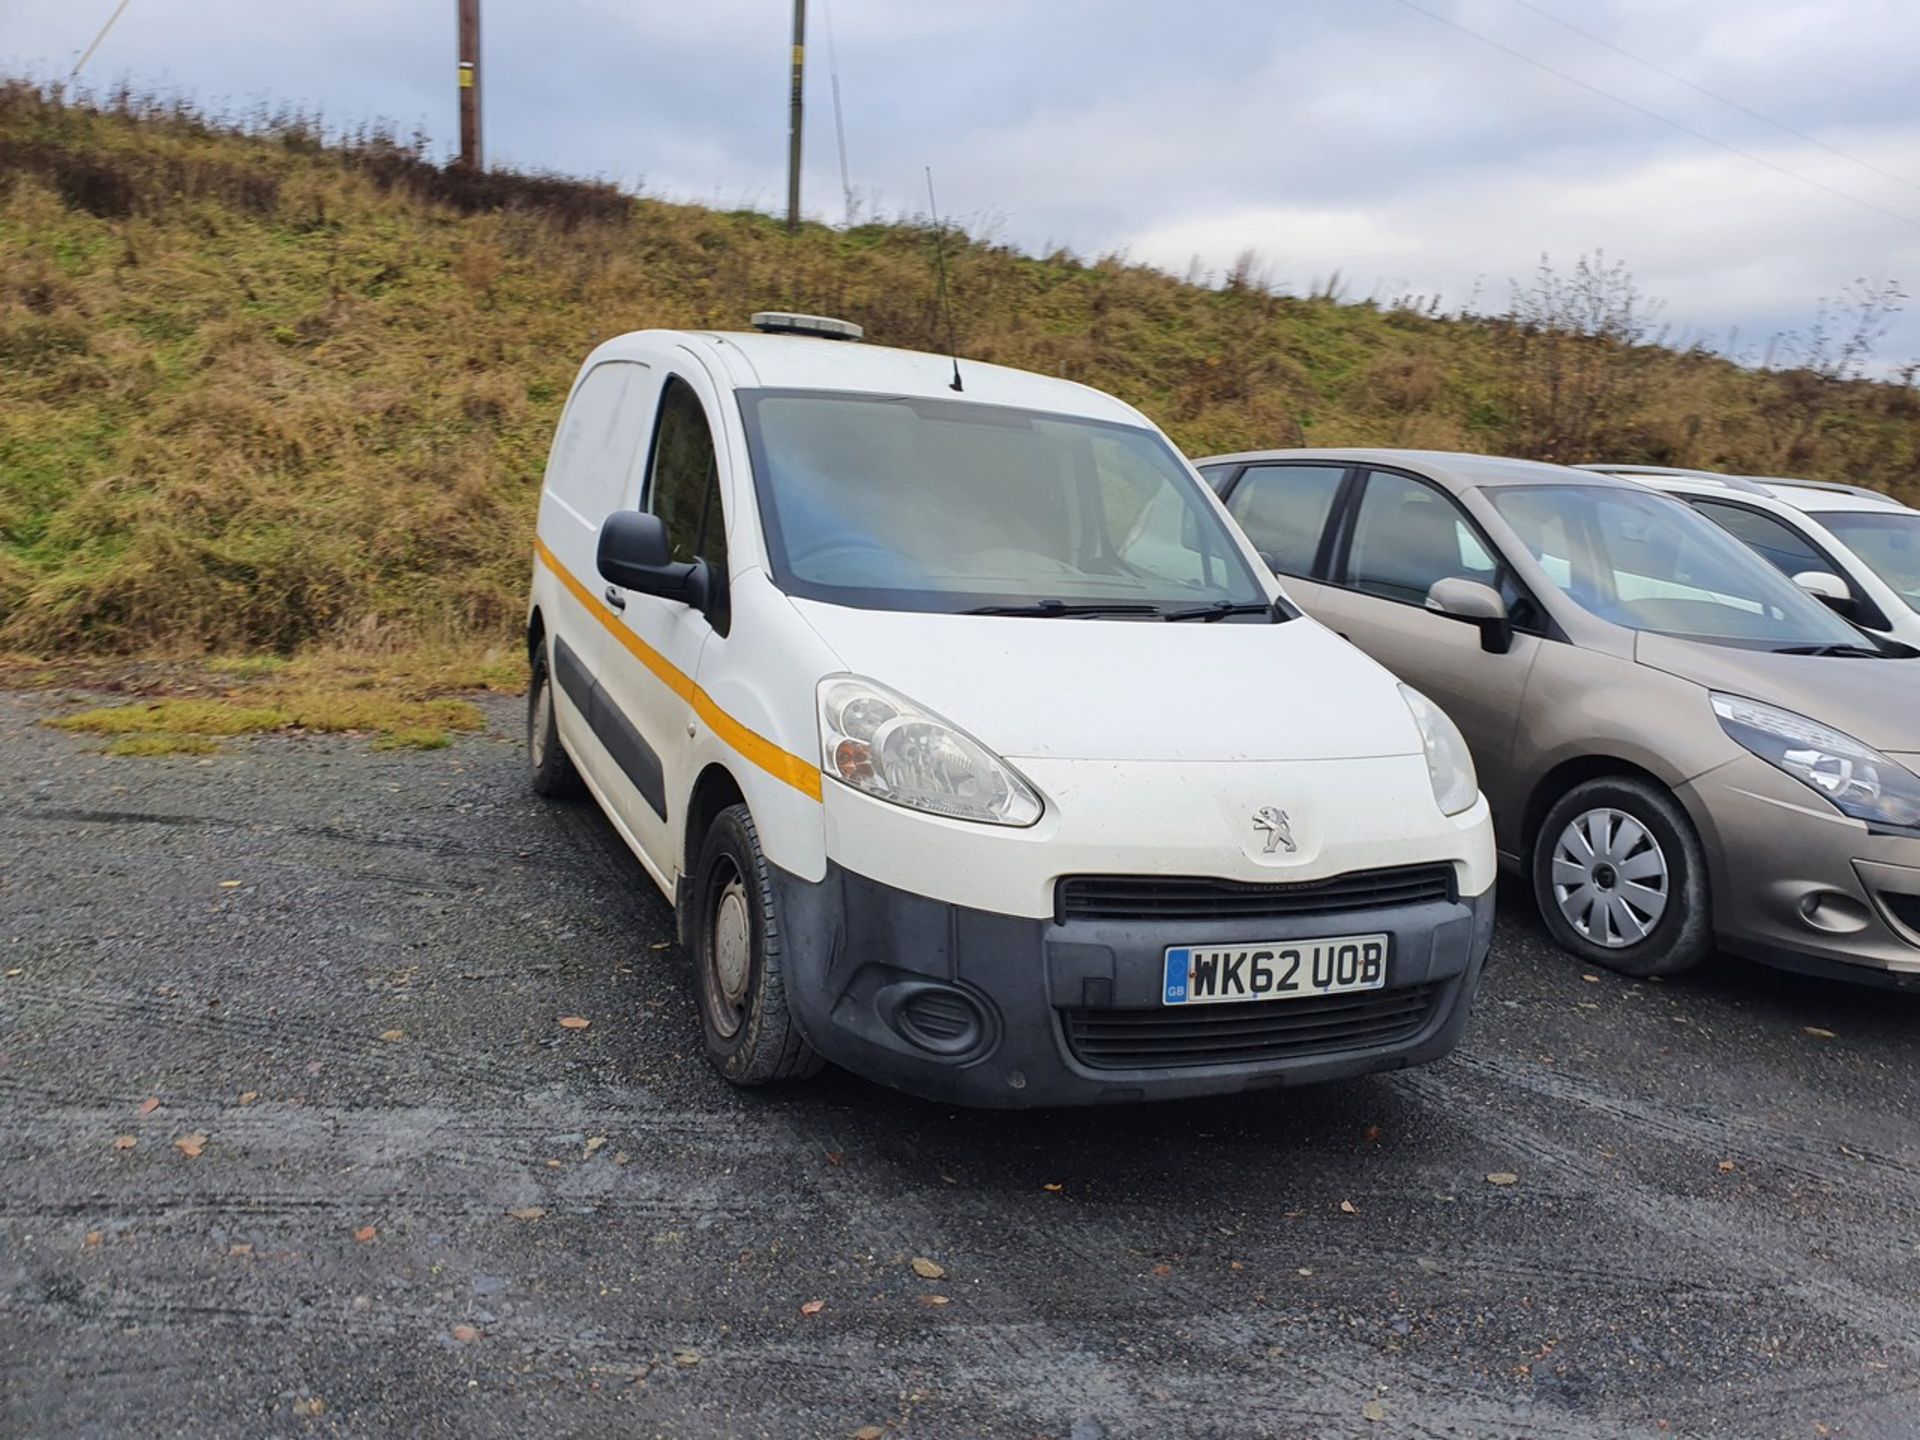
(1405, 534)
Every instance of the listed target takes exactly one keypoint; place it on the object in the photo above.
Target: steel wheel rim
(537, 724)
(1610, 878)
(729, 957)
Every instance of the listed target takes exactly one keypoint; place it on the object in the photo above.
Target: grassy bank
(260, 394)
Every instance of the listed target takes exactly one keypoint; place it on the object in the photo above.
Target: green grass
(263, 398)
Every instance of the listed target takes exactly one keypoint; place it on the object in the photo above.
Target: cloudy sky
(1411, 145)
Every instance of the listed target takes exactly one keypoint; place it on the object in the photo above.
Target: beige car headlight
(1854, 778)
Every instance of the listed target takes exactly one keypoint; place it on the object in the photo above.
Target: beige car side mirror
(1475, 604)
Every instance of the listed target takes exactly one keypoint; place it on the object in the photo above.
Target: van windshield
(1649, 562)
(903, 503)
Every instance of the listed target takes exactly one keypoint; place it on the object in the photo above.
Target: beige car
(1680, 746)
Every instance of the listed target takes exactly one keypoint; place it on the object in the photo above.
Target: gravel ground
(346, 971)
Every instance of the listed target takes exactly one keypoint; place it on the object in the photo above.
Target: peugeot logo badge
(1276, 827)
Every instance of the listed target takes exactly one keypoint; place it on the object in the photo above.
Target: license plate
(1274, 970)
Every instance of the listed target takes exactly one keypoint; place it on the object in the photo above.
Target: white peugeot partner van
(974, 747)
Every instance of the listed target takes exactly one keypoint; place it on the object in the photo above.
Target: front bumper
(1798, 885)
(978, 1008)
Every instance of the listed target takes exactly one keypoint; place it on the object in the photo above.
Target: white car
(974, 747)
(1855, 548)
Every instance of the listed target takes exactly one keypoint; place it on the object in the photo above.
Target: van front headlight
(1854, 778)
(880, 742)
(1449, 764)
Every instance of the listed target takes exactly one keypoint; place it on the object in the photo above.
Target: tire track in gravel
(1763, 1250)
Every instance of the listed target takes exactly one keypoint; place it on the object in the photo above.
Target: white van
(974, 747)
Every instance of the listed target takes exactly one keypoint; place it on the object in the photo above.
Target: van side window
(683, 483)
(599, 440)
(1406, 536)
(1790, 551)
(1284, 510)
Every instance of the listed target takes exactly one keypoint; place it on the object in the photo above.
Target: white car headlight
(1855, 778)
(880, 742)
(1449, 764)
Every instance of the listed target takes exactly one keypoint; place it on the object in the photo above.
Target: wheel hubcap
(1610, 878)
(538, 722)
(729, 956)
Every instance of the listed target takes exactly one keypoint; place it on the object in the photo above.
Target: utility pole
(793, 130)
(470, 84)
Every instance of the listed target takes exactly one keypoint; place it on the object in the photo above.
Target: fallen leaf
(868, 1432)
(1304, 1270)
(574, 1022)
(1053, 1187)
(834, 1157)
(686, 1357)
(365, 1234)
(556, 1165)
(241, 1249)
(928, 1269)
(149, 1105)
(93, 1237)
(1163, 1268)
(249, 1096)
(933, 1299)
(1591, 979)
(315, 1406)
(948, 1180)
(191, 1145)
(1818, 1033)
(1372, 1132)
(229, 884)
(661, 945)
(527, 1212)
(1373, 1410)
(15, 971)
(124, 1142)
(1726, 1166)
(391, 1035)
(1503, 1177)
(620, 1157)
(465, 1334)
(594, 1142)
(813, 1307)
(1235, 1265)
(1347, 1207)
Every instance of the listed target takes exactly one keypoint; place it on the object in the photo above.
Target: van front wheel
(549, 765)
(740, 980)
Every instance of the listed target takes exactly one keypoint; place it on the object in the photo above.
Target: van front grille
(1181, 897)
(1164, 1037)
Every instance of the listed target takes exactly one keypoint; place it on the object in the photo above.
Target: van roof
(751, 360)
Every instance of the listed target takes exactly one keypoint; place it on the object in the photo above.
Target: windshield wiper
(1220, 609)
(1850, 652)
(1047, 609)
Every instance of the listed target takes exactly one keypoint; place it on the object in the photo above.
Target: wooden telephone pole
(470, 84)
(793, 130)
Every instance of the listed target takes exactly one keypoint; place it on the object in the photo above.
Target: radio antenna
(940, 266)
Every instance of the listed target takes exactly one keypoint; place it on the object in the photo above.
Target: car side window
(599, 439)
(1284, 510)
(683, 483)
(1407, 535)
(1790, 552)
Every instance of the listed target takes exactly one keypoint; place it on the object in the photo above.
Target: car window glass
(681, 486)
(1406, 536)
(1790, 552)
(598, 440)
(1649, 562)
(1888, 541)
(1284, 510)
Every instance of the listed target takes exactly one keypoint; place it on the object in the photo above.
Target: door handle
(614, 598)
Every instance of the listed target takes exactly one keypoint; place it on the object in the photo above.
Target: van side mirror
(1829, 589)
(1475, 604)
(634, 555)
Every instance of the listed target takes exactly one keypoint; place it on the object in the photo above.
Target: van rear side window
(599, 440)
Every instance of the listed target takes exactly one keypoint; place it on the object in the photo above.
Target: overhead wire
(1726, 100)
(87, 54)
(839, 121)
(1655, 115)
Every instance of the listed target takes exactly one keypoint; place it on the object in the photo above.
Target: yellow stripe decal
(781, 764)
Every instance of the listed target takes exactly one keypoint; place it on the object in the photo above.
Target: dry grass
(273, 400)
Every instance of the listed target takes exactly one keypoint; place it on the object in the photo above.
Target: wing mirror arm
(633, 554)
(1475, 604)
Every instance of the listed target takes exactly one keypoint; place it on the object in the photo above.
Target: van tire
(739, 960)
(1666, 858)
(550, 767)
